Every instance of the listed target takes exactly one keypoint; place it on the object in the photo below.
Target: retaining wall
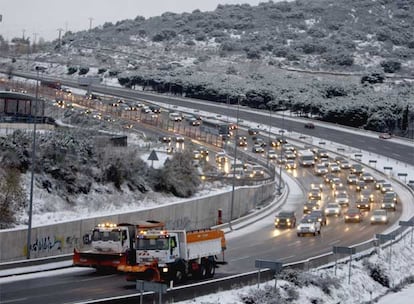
(189, 214)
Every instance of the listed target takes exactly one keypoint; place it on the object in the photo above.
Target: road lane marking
(14, 300)
(286, 258)
(334, 242)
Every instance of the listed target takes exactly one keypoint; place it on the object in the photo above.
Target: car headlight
(357, 217)
(346, 216)
(384, 218)
(372, 218)
(392, 205)
(288, 220)
(382, 205)
(305, 207)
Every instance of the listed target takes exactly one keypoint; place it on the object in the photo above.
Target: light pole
(270, 127)
(234, 161)
(29, 228)
(281, 154)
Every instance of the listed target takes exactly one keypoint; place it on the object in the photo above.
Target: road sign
(153, 155)
(406, 223)
(151, 286)
(358, 155)
(344, 250)
(276, 266)
(387, 168)
(372, 161)
(402, 174)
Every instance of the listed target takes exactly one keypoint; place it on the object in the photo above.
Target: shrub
(72, 70)
(83, 70)
(376, 272)
(391, 66)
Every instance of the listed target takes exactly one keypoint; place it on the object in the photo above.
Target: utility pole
(23, 31)
(60, 30)
(90, 23)
(34, 42)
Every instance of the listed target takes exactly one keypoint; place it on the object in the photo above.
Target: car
(155, 109)
(221, 157)
(385, 135)
(333, 209)
(321, 169)
(289, 147)
(353, 215)
(335, 183)
(367, 177)
(203, 151)
(290, 155)
(257, 149)
(315, 194)
(338, 159)
(390, 195)
(196, 154)
(386, 187)
(366, 193)
(281, 160)
(322, 153)
(352, 179)
(357, 169)
(309, 125)
(328, 177)
(258, 171)
(363, 204)
(379, 216)
(345, 165)
(145, 109)
(308, 225)
(310, 205)
(339, 189)
(285, 219)
(334, 167)
(179, 138)
(319, 215)
(165, 139)
(271, 154)
(379, 183)
(253, 131)
(388, 205)
(360, 185)
(342, 199)
(290, 164)
(260, 141)
(317, 186)
(192, 121)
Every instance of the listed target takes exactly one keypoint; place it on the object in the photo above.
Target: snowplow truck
(110, 244)
(175, 255)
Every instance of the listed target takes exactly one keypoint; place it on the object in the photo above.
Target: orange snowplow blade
(98, 260)
(145, 272)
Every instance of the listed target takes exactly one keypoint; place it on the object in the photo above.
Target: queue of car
(374, 198)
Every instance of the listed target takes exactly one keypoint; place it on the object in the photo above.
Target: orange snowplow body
(203, 235)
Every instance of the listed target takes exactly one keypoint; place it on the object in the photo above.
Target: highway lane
(383, 147)
(392, 149)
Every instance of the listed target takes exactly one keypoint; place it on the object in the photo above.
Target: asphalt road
(244, 247)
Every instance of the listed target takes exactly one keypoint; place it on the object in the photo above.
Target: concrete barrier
(194, 213)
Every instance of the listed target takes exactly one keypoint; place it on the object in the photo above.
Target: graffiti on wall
(46, 244)
(51, 244)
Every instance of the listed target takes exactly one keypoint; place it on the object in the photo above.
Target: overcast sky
(43, 18)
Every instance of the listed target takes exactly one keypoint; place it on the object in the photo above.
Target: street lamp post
(234, 161)
(269, 140)
(29, 229)
(281, 154)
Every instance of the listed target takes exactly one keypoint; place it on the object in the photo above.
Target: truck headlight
(165, 269)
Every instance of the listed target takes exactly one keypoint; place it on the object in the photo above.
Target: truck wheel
(203, 270)
(211, 269)
(179, 275)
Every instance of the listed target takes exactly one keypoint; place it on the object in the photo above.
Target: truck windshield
(113, 235)
(152, 243)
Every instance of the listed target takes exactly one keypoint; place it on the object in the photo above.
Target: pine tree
(12, 196)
